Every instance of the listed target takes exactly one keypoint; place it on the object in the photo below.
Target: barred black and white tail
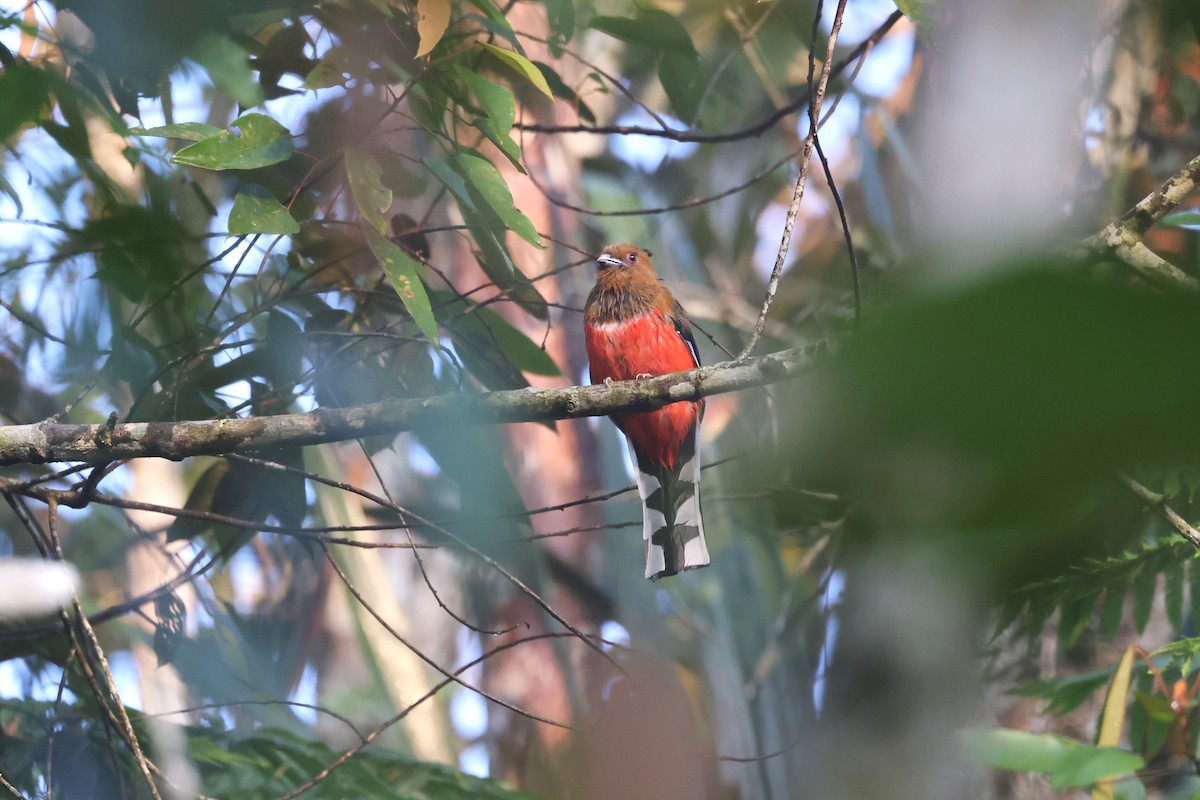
(672, 527)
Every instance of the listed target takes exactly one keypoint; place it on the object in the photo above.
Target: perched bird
(634, 328)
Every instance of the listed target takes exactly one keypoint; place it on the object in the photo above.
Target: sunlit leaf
(255, 140)
(433, 17)
(522, 65)
(403, 271)
(255, 210)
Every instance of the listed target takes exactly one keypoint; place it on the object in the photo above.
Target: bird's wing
(684, 328)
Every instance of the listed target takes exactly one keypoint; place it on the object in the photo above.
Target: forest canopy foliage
(947, 291)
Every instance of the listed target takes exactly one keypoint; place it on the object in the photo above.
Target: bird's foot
(608, 381)
(641, 376)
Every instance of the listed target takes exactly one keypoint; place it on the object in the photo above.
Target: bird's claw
(641, 376)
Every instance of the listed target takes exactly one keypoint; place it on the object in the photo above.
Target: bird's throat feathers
(622, 293)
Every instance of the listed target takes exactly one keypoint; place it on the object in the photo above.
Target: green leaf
(190, 131)
(497, 101)
(487, 229)
(1173, 594)
(564, 92)
(913, 9)
(1113, 609)
(1143, 600)
(500, 109)
(493, 14)
(651, 28)
(255, 210)
(522, 65)
(403, 272)
(329, 71)
(683, 82)
(450, 179)
(491, 187)
(1084, 765)
(371, 196)
(395, 175)
(6, 188)
(1194, 588)
(1063, 695)
(24, 95)
(228, 65)
(560, 15)
(1073, 620)
(495, 352)
(519, 348)
(1067, 762)
(1158, 708)
(433, 17)
(259, 141)
(1180, 218)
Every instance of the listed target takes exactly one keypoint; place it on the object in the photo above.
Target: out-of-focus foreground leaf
(990, 413)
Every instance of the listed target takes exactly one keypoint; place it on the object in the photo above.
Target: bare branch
(757, 129)
(1158, 503)
(1124, 236)
(816, 94)
(44, 442)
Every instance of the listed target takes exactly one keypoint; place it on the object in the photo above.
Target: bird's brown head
(625, 257)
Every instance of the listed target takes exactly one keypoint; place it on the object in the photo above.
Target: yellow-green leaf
(259, 141)
(433, 17)
(403, 271)
(372, 197)
(522, 65)
(255, 210)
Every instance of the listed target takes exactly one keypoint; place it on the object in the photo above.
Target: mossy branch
(47, 442)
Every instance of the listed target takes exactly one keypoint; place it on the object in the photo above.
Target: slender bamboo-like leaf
(370, 195)
(403, 271)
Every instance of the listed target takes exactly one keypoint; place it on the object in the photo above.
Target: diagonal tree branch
(44, 442)
(1124, 236)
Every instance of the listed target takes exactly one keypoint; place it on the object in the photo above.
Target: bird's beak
(605, 260)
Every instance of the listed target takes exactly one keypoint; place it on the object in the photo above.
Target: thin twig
(814, 115)
(1158, 503)
(81, 619)
(732, 136)
(841, 209)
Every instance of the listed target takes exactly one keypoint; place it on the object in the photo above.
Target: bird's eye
(632, 258)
